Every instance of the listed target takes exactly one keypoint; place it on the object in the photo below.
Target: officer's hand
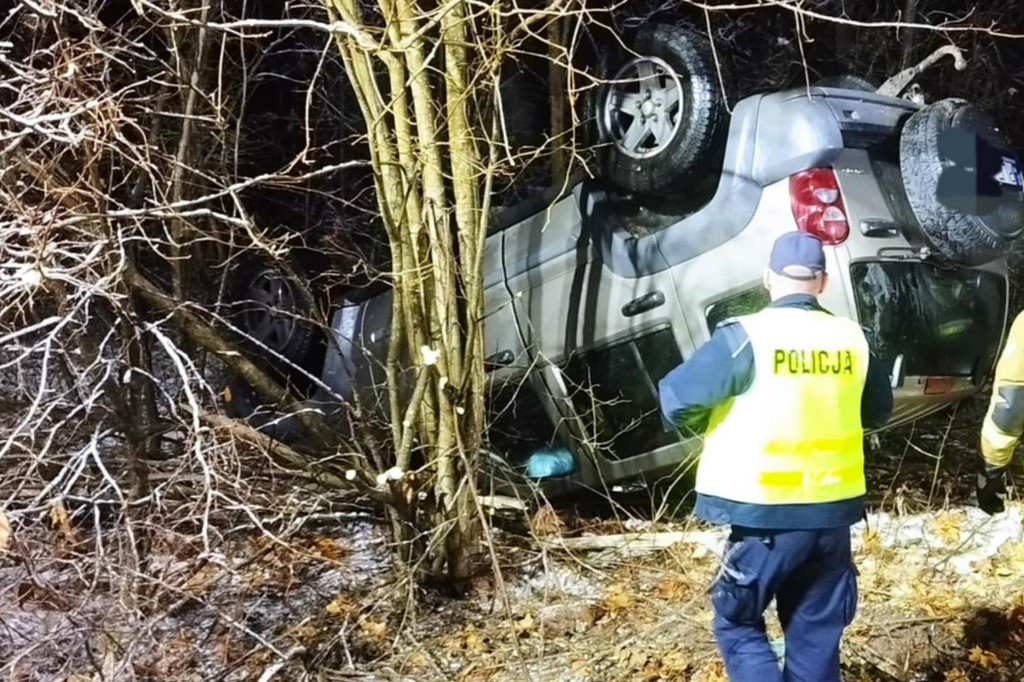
(991, 489)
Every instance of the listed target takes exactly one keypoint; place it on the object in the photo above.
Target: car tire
(848, 81)
(656, 136)
(272, 307)
(966, 215)
(598, 68)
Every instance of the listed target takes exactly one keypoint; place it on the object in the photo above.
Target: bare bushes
(121, 206)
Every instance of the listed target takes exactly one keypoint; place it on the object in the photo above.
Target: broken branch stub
(897, 84)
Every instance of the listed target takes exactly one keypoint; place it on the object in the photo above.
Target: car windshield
(945, 322)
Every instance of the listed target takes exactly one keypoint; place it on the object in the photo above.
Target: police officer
(1004, 421)
(782, 397)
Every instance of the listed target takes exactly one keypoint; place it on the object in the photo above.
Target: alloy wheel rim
(270, 315)
(641, 111)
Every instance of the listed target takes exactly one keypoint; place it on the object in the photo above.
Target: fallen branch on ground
(276, 667)
(501, 503)
(285, 454)
(637, 543)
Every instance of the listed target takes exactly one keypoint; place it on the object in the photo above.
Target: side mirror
(898, 372)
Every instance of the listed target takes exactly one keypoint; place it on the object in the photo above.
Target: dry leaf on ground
(675, 588)
(374, 629)
(617, 599)
(329, 549)
(986, 659)
(469, 639)
(201, 580)
(59, 519)
(418, 660)
(946, 525)
(340, 605)
(525, 624)
(580, 666)
(546, 522)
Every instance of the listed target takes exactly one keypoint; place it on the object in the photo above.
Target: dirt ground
(941, 589)
(941, 595)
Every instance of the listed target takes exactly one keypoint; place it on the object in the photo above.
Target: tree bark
(427, 163)
(557, 99)
(910, 34)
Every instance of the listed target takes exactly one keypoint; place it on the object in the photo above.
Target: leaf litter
(941, 598)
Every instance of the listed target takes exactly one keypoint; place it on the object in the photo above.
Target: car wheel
(963, 183)
(659, 112)
(848, 81)
(272, 309)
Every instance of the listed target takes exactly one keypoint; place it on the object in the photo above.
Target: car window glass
(946, 322)
(743, 303)
(517, 423)
(614, 390)
(881, 144)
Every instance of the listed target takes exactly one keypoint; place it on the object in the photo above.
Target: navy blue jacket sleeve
(876, 401)
(720, 369)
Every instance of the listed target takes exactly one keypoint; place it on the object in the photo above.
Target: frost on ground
(964, 539)
(324, 602)
(232, 569)
(941, 599)
(228, 616)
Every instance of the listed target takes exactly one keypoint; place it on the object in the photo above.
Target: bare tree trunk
(425, 153)
(909, 34)
(467, 411)
(556, 90)
(181, 230)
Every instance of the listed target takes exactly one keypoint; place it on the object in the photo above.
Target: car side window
(614, 390)
(743, 303)
(517, 423)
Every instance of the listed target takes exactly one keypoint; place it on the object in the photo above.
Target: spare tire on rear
(963, 183)
(661, 109)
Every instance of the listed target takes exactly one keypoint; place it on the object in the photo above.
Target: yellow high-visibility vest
(1004, 420)
(795, 436)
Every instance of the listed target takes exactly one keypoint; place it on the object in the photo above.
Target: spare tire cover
(963, 183)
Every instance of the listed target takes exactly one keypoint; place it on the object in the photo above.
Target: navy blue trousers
(811, 577)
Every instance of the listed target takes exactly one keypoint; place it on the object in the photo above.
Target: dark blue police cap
(797, 255)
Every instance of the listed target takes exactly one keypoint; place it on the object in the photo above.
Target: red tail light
(818, 206)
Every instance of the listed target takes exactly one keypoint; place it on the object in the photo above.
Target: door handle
(644, 303)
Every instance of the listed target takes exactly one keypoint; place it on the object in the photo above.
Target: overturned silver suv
(595, 291)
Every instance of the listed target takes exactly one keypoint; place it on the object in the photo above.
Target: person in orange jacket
(1004, 421)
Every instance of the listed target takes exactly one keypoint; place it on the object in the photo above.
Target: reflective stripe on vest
(795, 435)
